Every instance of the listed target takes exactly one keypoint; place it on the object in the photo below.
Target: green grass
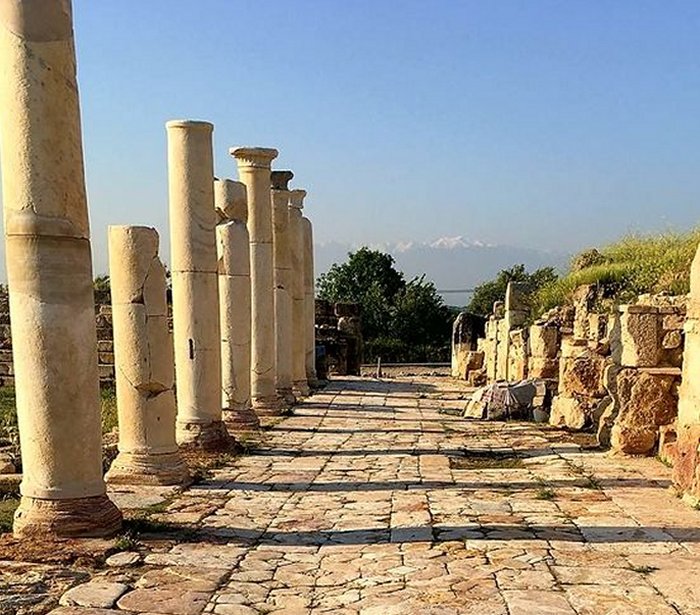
(8, 505)
(545, 493)
(643, 569)
(634, 265)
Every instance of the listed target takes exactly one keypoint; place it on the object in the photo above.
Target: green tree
(486, 294)
(401, 321)
(368, 278)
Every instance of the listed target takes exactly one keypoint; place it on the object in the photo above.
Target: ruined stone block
(647, 400)
(544, 341)
(639, 331)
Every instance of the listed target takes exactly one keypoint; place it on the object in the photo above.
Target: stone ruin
(339, 334)
(242, 343)
(624, 373)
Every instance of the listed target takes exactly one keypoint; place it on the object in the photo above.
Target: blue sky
(537, 123)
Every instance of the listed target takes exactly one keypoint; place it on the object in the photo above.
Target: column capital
(190, 124)
(296, 198)
(254, 157)
(280, 179)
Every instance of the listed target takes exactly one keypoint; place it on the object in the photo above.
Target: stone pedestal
(195, 292)
(296, 242)
(309, 303)
(283, 283)
(47, 241)
(233, 249)
(143, 361)
(254, 172)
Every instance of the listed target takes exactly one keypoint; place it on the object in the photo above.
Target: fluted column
(282, 281)
(47, 243)
(233, 249)
(197, 337)
(143, 361)
(309, 303)
(254, 172)
(299, 332)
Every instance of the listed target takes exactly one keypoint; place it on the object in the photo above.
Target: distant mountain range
(452, 263)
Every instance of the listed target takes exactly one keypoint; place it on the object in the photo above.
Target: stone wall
(612, 370)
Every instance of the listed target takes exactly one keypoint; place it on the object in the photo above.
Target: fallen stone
(125, 558)
(97, 594)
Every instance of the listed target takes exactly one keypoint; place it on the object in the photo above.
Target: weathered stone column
(296, 235)
(686, 466)
(195, 293)
(233, 248)
(254, 172)
(47, 242)
(283, 284)
(143, 361)
(310, 302)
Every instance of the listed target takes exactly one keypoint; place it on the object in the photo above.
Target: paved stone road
(365, 502)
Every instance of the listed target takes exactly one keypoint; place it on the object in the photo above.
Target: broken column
(254, 172)
(143, 359)
(309, 303)
(282, 282)
(234, 304)
(47, 241)
(296, 235)
(195, 292)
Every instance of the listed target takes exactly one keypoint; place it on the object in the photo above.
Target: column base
(204, 436)
(301, 388)
(90, 517)
(148, 469)
(241, 418)
(287, 396)
(268, 406)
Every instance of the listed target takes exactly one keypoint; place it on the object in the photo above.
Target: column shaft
(233, 249)
(283, 282)
(310, 303)
(47, 241)
(195, 285)
(299, 333)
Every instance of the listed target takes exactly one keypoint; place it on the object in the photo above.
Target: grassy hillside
(634, 265)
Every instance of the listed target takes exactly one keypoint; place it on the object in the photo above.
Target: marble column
(49, 270)
(195, 293)
(299, 333)
(309, 303)
(233, 249)
(254, 172)
(143, 361)
(282, 282)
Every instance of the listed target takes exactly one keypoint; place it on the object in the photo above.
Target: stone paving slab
(373, 499)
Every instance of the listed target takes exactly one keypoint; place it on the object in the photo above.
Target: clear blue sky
(538, 123)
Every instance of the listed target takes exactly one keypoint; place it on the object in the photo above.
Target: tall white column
(254, 172)
(283, 282)
(310, 302)
(143, 361)
(49, 268)
(233, 248)
(195, 292)
(299, 330)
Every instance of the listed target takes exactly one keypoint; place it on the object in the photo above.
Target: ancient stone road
(365, 502)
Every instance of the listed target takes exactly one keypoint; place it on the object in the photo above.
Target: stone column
(296, 234)
(283, 284)
(310, 303)
(195, 293)
(233, 248)
(49, 268)
(254, 172)
(143, 361)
